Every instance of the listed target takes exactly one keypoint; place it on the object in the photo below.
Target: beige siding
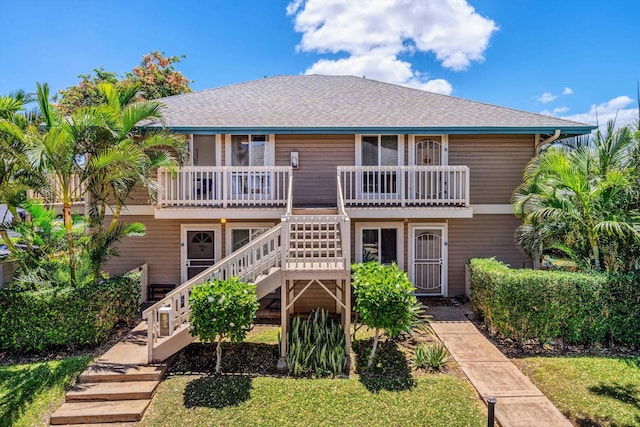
(314, 297)
(481, 236)
(496, 163)
(160, 248)
(315, 181)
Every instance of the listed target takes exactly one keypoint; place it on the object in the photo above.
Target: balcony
(367, 187)
(223, 187)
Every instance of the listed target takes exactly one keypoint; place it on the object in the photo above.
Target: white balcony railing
(225, 186)
(411, 186)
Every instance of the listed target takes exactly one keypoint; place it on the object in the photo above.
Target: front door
(199, 251)
(429, 258)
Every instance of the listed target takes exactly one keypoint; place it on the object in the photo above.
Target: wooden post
(284, 301)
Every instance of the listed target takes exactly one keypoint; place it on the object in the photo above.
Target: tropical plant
(222, 309)
(316, 346)
(432, 357)
(15, 176)
(123, 159)
(384, 300)
(581, 200)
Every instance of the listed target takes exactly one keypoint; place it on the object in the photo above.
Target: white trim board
(503, 209)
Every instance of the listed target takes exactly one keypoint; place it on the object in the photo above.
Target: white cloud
(567, 91)
(375, 34)
(547, 97)
(560, 110)
(622, 109)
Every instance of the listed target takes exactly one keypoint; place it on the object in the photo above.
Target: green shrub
(431, 357)
(39, 320)
(316, 346)
(384, 300)
(578, 308)
(222, 309)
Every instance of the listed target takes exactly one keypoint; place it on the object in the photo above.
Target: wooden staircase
(117, 388)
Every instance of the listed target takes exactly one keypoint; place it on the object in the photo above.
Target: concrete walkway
(519, 402)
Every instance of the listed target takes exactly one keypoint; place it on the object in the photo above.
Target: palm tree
(15, 178)
(139, 152)
(578, 199)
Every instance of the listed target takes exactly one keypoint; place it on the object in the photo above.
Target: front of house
(331, 170)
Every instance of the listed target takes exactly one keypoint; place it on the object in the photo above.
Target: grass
(591, 391)
(252, 394)
(30, 393)
(240, 400)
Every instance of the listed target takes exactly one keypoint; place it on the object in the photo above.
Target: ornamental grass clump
(431, 357)
(222, 309)
(384, 300)
(316, 346)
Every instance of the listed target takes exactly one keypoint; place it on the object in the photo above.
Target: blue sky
(565, 58)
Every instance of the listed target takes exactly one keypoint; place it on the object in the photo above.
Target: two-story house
(292, 178)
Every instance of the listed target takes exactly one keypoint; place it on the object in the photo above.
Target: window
(380, 244)
(380, 150)
(249, 150)
(242, 236)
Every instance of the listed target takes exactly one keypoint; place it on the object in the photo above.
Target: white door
(199, 251)
(429, 263)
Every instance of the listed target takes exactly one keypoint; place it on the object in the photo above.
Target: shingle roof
(314, 102)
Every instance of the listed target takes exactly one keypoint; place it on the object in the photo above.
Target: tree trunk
(218, 354)
(376, 337)
(68, 225)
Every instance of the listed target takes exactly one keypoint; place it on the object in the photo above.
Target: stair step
(99, 372)
(99, 412)
(314, 211)
(132, 390)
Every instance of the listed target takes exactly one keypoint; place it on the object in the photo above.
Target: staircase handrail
(290, 196)
(341, 209)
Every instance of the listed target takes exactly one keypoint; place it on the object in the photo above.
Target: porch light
(223, 220)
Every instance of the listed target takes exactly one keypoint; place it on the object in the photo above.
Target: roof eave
(460, 130)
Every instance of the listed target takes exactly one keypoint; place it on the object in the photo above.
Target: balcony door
(428, 183)
(204, 157)
(376, 152)
(252, 152)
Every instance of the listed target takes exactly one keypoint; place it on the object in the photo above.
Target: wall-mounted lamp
(223, 220)
(295, 160)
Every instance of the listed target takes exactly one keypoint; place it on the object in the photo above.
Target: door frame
(443, 228)
(242, 225)
(399, 225)
(184, 228)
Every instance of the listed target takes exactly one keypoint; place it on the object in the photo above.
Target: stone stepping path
(519, 402)
(116, 389)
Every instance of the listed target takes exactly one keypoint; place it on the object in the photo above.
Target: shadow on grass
(218, 391)
(626, 393)
(390, 370)
(238, 358)
(19, 387)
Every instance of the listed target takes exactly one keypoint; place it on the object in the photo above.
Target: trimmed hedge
(578, 308)
(39, 320)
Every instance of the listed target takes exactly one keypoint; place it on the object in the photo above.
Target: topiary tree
(222, 309)
(384, 300)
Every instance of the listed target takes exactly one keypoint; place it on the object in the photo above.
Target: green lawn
(239, 400)
(30, 393)
(389, 395)
(591, 391)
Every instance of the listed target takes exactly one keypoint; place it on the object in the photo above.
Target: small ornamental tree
(385, 300)
(222, 309)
